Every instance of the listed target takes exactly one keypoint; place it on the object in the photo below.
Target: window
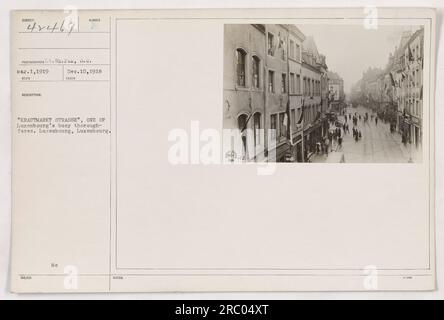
(282, 125)
(273, 126)
(257, 128)
(242, 123)
(240, 67)
(308, 114)
(298, 84)
(292, 55)
(284, 83)
(256, 68)
(292, 83)
(298, 52)
(270, 44)
(293, 117)
(271, 81)
(308, 86)
(418, 75)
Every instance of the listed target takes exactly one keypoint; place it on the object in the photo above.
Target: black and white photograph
(222, 152)
(324, 93)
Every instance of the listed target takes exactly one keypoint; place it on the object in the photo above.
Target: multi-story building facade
(313, 81)
(277, 95)
(296, 38)
(395, 92)
(324, 87)
(366, 91)
(386, 103)
(398, 74)
(274, 80)
(336, 91)
(411, 87)
(245, 55)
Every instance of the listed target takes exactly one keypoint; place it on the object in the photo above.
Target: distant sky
(352, 49)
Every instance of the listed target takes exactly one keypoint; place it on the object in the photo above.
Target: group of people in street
(334, 138)
(357, 116)
(325, 145)
(336, 135)
(357, 135)
(337, 132)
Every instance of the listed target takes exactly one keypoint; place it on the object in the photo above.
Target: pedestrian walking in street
(376, 120)
(404, 138)
(360, 135)
(392, 128)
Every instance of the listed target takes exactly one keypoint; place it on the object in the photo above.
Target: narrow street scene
(374, 141)
(323, 94)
